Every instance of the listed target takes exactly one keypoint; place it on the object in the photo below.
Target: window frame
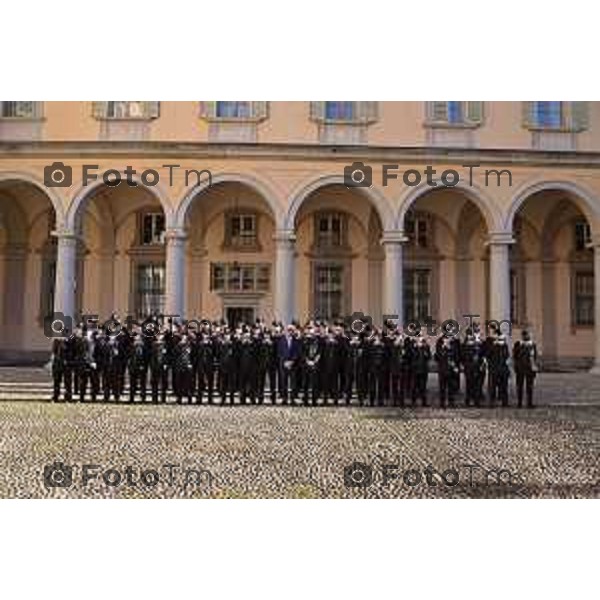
(261, 271)
(155, 215)
(35, 115)
(139, 292)
(582, 271)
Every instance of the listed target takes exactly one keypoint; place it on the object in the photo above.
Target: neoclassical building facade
(240, 210)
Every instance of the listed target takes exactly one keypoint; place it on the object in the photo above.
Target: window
(19, 110)
(241, 230)
(328, 291)
(417, 229)
(120, 109)
(339, 111)
(150, 286)
(239, 277)
(153, 229)
(583, 235)
(455, 112)
(417, 294)
(547, 114)
(126, 109)
(583, 297)
(233, 110)
(330, 230)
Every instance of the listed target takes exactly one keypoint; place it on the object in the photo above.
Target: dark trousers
(184, 383)
(288, 382)
(62, 375)
(420, 388)
(159, 382)
(137, 381)
(88, 376)
(398, 388)
(311, 382)
(377, 386)
(525, 380)
(205, 382)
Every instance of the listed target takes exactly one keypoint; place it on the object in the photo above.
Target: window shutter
(474, 112)
(259, 110)
(208, 110)
(438, 111)
(152, 109)
(367, 111)
(528, 119)
(99, 110)
(317, 110)
(579, 116)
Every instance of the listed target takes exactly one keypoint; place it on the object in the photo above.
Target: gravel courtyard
(146, 451)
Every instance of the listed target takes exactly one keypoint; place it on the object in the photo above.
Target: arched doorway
(27, 268)
(230, 268)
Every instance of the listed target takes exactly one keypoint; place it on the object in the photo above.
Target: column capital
(175, 234)
(285, 236)
(64, 234)
(497, 238)
(394, 237)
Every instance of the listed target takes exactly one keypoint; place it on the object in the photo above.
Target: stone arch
(250, 180)
(491, 214)
(581, 197)
(87, 193)
(49, 192)
(304, 191)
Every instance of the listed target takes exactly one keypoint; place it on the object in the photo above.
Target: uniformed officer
(420, 367)
(398, 358)
(448, 366)
(88, 372)
(355, 371)
(205, 373)
(159, 369)
(376, 366)
(247, 366)
(226, 360)
(525, 357)
(61, 369)
(138, 369)
(183, 366)
(311, 357)
(499, 370)
(473, 361)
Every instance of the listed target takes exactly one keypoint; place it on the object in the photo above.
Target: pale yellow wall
(398, 124)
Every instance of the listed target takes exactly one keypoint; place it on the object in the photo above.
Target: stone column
(596, 244)
(175, 272)
(499, 243)
(65, 286)
(285, 275)
(393, 288)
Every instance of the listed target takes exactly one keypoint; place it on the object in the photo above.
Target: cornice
(299, 152)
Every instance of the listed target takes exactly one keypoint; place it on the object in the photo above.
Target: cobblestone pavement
(266, 451)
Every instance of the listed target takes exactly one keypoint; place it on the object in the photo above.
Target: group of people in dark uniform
(318, 363)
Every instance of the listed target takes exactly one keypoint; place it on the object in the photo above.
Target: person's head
(526, 335)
